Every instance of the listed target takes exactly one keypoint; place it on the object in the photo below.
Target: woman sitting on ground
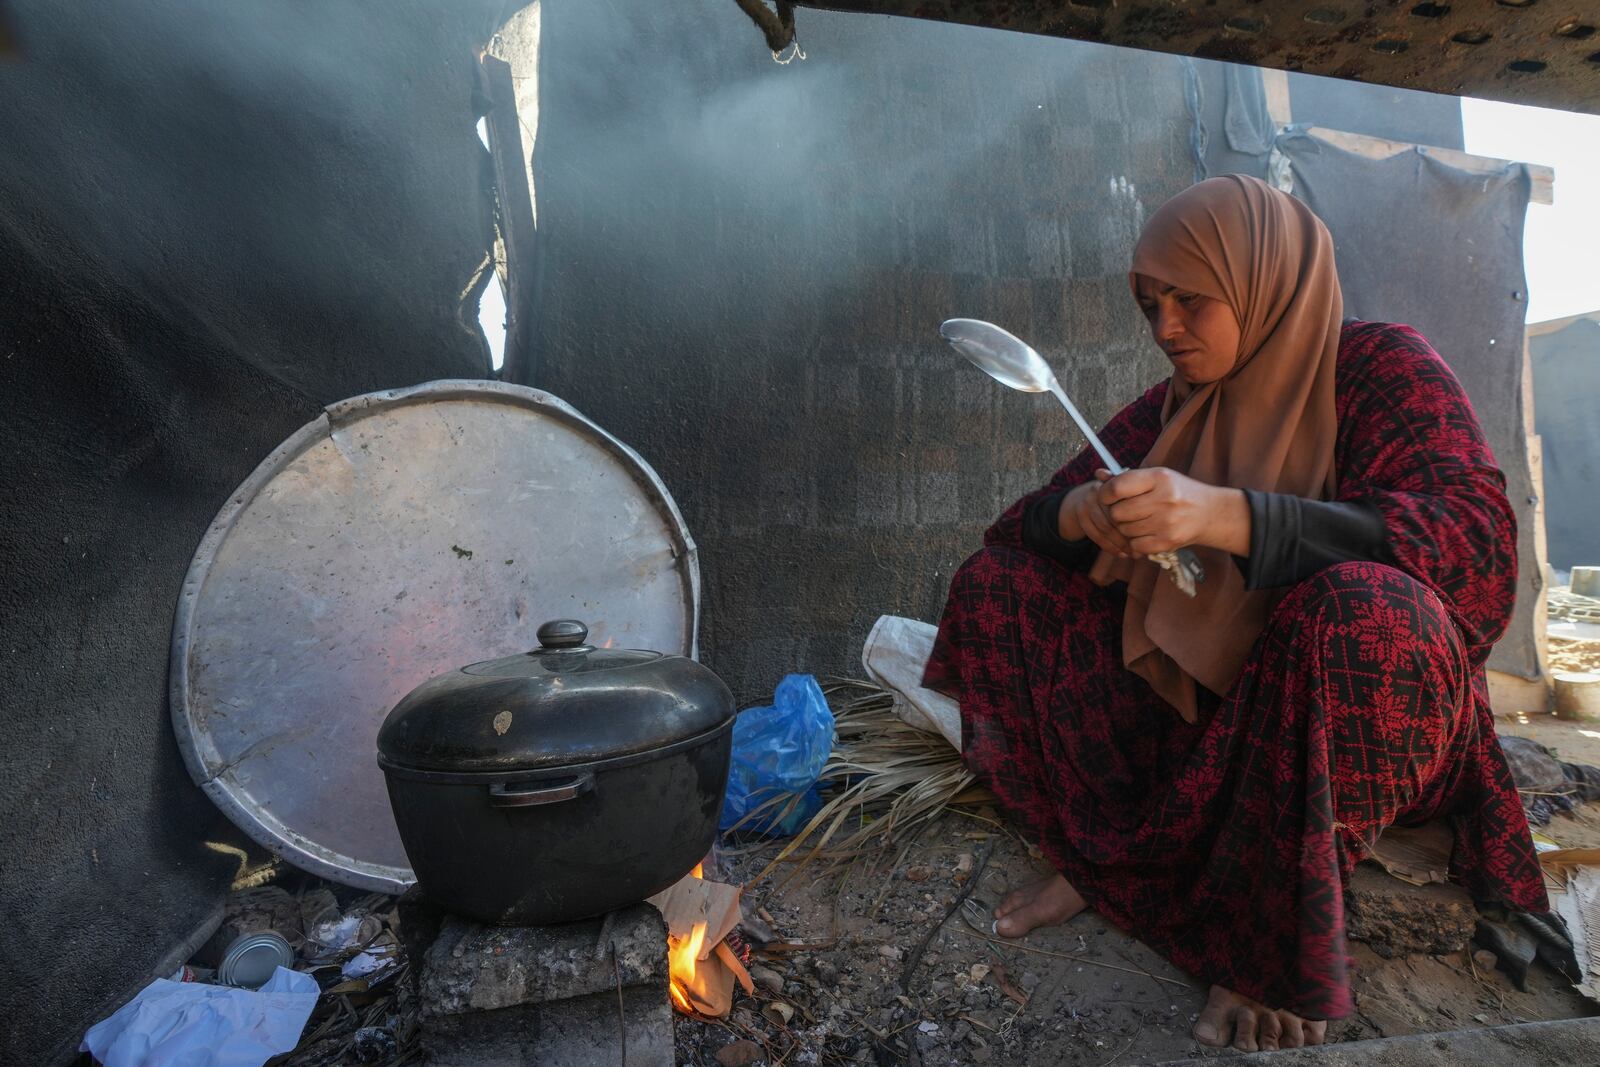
(1205, 772)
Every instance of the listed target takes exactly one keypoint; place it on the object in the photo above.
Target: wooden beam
(1543, 178)
(1510, 695)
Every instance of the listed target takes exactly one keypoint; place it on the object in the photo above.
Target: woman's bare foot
(1248, 1025)
(1047, 902)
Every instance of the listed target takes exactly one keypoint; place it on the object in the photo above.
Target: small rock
(964, 862)
(889, 952)
(918, 874)
(1485, 959)
(986, 1019)
(739, 1054)
(374, 1044)
(981, 1055)
(766, 978)
(939, 987)
(1029, 981)
(979, 972)
(827, 973)
(777, 1012)
(928, 1027)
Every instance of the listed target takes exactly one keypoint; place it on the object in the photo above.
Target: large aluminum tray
(398, 535)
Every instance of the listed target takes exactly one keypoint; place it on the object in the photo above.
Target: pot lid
(396, 537)
(563, 704)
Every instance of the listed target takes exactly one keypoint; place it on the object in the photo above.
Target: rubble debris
(1399, 919)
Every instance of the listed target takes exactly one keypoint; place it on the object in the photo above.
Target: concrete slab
(1570, 1041)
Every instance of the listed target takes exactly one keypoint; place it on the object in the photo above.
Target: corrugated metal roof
(1544, 52)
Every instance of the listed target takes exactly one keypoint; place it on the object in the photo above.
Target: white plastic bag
(188, 1024)
(895, 653)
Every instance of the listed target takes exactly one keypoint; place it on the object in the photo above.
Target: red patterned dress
(1224, 844)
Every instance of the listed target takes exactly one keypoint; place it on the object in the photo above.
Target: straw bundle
(884, 780)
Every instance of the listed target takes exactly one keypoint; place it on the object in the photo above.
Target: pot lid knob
(563, 633)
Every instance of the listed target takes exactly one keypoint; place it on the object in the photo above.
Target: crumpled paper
(188, 1024)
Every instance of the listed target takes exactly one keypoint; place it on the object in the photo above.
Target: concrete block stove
(592, 993)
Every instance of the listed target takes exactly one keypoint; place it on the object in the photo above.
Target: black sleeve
(1041, 533)
(1292, 538)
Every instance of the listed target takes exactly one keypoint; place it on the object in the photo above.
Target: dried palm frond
(884, 780)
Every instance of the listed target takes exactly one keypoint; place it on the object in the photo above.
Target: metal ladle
(1011, 361)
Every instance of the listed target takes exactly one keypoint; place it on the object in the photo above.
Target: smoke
(830, 168)
(225, 160)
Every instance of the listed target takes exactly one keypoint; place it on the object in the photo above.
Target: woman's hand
(1155, 509)
(1084, 515)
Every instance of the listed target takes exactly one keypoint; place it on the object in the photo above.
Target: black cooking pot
(560, 783)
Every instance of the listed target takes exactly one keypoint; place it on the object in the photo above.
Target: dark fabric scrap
(1546, 784)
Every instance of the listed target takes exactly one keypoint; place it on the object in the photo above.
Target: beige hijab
(1268, 425)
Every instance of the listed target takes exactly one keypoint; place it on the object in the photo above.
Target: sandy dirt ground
(1082, 993)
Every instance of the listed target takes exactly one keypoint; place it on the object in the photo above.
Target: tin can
(252, 959)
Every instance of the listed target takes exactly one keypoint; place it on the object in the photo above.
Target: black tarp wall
(214, 219)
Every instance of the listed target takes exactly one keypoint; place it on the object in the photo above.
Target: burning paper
(699, 915)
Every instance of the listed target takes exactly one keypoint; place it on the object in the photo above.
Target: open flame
(683, 958)
(702, 968)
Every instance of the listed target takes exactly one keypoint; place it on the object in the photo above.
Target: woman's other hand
(1083, 514)
(1155, 509)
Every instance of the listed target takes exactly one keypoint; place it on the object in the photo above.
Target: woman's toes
(1268, 1030)
(1010, 926)
(1293, 1031)
(1315, 1031)
(1213, 1027)
(1047, 903)
(1244, 1029)
(1019, 898)
(1208, 1029)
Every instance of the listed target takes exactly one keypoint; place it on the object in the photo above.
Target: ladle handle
(1088, 431)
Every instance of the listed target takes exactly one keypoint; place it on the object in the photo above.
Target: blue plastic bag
(779, 751)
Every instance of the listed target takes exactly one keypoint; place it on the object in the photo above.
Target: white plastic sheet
(895, 653)
(187, 1024)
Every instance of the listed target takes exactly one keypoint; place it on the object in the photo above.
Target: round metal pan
(398, 535)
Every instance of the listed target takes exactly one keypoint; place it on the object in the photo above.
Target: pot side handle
(503, 795)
